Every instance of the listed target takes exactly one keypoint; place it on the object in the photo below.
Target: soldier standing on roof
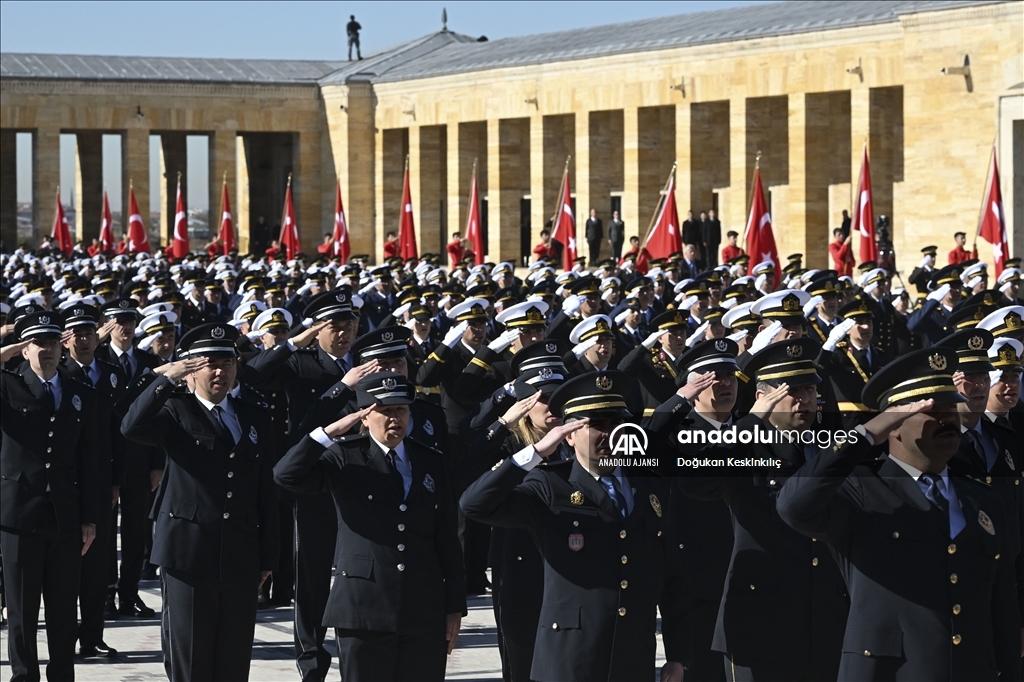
(352, 29)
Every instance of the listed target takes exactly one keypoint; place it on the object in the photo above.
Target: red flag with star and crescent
(563, 229)
(61, 233)
(664, 238)
(227, 225)
(138, 241)
(406, 224)
(759, 236)
(340, 245)
(864, 212)
(289, 229)
(106, 227)
(992, 223)
(180, 247)
(473, 231)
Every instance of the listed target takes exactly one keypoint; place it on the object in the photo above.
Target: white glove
(411, 324)
(147, 342)
(621, 317)
(504, 341)
(812, 304)
(698, 335)
(738, 336)
(651, 340)
(455, 333)
(925, 262)
(580, 348)
(838, 334)
(939, 293)
(765, 336)
(687, 302)
(368, 288)
(573, 303)
(874, 285)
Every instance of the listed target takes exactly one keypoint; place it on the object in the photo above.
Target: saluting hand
(306, 337)
(453, 623)
(8, 352)
(360, 372)
(881, 425)
(519, 410)
(175, 371)
(104, 332)
(691, 389)
(88, 535)
(346, 423)
(547, 445)
(764, 405)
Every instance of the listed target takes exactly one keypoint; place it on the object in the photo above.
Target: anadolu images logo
(628, 440)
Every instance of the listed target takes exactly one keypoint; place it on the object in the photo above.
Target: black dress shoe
(137, 609)
(149, 572)
(101, 650)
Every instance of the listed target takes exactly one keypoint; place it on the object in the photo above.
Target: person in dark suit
(691, 232)
(927, 555)
(305, 367)
(81, 364)
(595, 235)
(216, 527)
(49, 496)
(783, 608)
(616, 236)
(144, 464)
(690, 266)
(399, 591)
(711, 238)
(607, 546)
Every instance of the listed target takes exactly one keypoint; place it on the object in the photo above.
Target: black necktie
(934, 494)
(48, 397)
(218, 418)
(342, 366)
(972, 438)
(126, 365)
(1003, 421)
(609, 483)
(396, 477)
(862, 357)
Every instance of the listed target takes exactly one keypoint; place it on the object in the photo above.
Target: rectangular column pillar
(135, 173)
(173, 160)
(428, 183)
(509, 176)
(240, 198)
(684, 172)
(88, 185)
(793, 236)
(306, 190)
(9, 189)
(605, 151)
(541, 209)
(46, 178)
(358, 190)
(740, 171)
(581, 182)
(631, 173)
(223, 145)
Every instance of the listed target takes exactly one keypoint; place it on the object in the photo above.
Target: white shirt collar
(992, 416)
(118, 352)
(224, 404)
(916, 473)
(717, 424)
(399, 449)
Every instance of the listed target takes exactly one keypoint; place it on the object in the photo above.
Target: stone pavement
(140, 659)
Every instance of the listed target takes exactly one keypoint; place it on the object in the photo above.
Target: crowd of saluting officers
(368, 446)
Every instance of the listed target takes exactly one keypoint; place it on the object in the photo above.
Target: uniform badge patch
(655, 504)
(113, 381)
(1009, 460)
(252, 435)
(76, 402)
(986, 522)
(576, 542)
(576, 498)
(428, 427)
(428, 483)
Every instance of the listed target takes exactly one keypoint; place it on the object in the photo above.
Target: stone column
(509, 164)
(428, 183)
(45, 179)
(360, 155)
(793, 236)
(631, 173)
(88, 185)
(9, 189)
(173, 160)
(733, 211)
(223, 163)
(581, 187)
(240, 197)
(540, 208)
(306, 193)
(135, 173)
(684, 173)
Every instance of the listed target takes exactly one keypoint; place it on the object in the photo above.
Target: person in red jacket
(546, 246)
(960, 254)
(456, 249)
(731, 250)
(842, 252)
(390, 245)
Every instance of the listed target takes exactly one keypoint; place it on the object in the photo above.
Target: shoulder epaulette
(351, 438)
(425, 446)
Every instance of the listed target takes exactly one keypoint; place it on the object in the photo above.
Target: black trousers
(594, 251)
(283, 580)
(134, 503)
(45, 563)
(706, 665)
(316, 532)
(95, 582)
(617, 251)
(711, 257)
(209, 625)
(367, 656)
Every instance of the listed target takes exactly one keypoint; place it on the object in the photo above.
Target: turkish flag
(564, 224)
(759, 236)
(227, 225)
(137, 239)
(473, 231)
(289, 230)
(61, 233)
(341, 246)
(106, 227)
(179, 245)
(992, 223)
(406, 224)
(664, 238)
(864, 213)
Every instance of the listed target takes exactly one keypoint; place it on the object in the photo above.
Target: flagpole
(985, 196)
(662, 198)
(284, 216)
(750, 200)
(560, 200)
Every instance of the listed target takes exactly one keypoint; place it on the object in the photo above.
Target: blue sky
(274, 30)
